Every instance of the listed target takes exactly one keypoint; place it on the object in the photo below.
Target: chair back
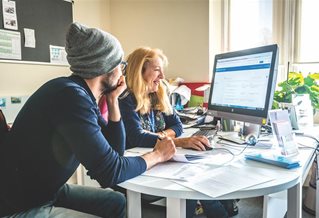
(4, 127)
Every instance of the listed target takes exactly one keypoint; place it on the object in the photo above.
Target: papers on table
(217, 159)
(190, 117)
(207, 179)
(187, 158)
(210, 175)
(221, 181)
(176, 170)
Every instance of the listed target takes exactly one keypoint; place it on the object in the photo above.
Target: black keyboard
(205, 132)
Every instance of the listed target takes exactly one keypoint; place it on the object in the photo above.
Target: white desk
(285, 180)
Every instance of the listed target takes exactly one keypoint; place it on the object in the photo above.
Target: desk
(285, 180)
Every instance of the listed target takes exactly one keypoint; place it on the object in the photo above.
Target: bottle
(218, 126)
(304, 110)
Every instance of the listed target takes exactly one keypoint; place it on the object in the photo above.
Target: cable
(301, 146)
(269, 130)
(235, 146)
(307, 136)
(311, 137)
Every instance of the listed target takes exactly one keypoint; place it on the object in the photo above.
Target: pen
(134, 152)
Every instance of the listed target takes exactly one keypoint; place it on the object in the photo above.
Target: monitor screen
(243, 84)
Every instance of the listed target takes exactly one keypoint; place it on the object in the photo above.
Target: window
(292, 24)
(250, 23)
(307, 32)
(242, 24)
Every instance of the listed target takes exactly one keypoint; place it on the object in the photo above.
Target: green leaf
(298, 84)
(314, 76)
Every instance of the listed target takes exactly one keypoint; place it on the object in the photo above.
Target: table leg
(275, 205)
(175, 208)
(317, 198)
(295, 201)
(134, 207)
(79, 175)
(265, 206)
(317, 185)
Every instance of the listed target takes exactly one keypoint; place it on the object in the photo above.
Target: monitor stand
(245, 131)
(251, 129)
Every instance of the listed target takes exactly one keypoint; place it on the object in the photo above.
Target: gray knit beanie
(91, 52)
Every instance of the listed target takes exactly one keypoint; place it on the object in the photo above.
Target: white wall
(178, 27)
(24, 79)
(93, 13)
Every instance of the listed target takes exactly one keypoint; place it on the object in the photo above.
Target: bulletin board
(48, 19)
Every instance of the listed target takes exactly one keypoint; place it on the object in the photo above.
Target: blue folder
(279, 161)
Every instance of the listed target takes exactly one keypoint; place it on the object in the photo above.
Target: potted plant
(298, 84)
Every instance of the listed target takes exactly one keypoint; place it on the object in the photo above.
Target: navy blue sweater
(59, 127)
(136, 136)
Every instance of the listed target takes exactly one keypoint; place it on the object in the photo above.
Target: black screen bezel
(236, 112)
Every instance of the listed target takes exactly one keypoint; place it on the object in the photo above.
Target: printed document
(177, 170)
(10, 47)
(213, 176)
(215, 159)
(224, 180)
(9, 15)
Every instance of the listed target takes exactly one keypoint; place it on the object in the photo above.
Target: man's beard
(108, 87)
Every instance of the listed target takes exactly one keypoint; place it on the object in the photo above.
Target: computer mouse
(251, 139)
(211, 142)
(208, 148)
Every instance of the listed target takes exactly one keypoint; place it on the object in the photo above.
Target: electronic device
(243, 85)
(251, 139)
(204, 132)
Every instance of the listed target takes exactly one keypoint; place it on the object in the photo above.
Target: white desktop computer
(243, 85)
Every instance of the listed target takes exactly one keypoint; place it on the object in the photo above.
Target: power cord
(301, 134)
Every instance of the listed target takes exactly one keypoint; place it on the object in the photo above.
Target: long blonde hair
(137, 61)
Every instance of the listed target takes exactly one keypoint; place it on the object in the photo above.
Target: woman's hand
(194, 142)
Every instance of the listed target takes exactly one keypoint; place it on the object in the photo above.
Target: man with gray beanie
(60, 127)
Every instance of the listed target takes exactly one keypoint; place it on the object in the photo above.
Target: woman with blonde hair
(148, 114)
(145, 107)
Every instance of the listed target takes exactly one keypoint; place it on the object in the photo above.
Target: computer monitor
(243, 84)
